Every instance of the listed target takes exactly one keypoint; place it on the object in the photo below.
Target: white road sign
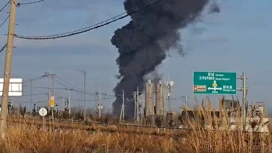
(43, 112)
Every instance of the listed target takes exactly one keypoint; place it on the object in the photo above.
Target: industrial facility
(229, 117)
(155, 101)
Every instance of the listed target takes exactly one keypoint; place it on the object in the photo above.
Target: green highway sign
(215, 82)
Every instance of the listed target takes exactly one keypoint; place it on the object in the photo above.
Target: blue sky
(235, 40)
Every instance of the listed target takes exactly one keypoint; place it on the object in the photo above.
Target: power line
(78, 91)
(32, 102)
(91, 100)
(3, 47)
(62, 84)
(42, 101)
(4, 6)
(89, 28)
(34, 79)
(27, 3)
(4, 21)
(46, 87)
(38, 94)
(71, 89)
(67, 83)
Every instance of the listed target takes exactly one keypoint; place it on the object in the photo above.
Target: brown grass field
(26, 136)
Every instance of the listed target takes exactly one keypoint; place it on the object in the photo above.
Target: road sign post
(52, 104)
(43, 112)
(215, 83)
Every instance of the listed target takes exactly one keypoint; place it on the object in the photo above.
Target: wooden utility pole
(8, 62)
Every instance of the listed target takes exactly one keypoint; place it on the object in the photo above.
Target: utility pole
(135, 105)
(185, 98)
(123, 104)
(69, 102)
(84, 98)
(50, 92)
(85, 117)
(49, 89)
(244, 90)
(34, 108)
(122, 113)
(137, 109)
(99, 104)
(7, 72)
(137, 102)
(63, 103)
(30, 91)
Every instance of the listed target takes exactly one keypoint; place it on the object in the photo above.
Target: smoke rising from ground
(143, 43)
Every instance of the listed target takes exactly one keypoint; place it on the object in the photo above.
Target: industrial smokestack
(149, 98)
(160, 98)
(142, 43)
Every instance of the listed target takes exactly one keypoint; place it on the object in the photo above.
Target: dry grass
(29, 139)
(26, 137)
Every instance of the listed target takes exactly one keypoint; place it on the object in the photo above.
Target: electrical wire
(27, 102)
(74, 87)
(46, 88)
(4, 6)
(63, 84)
(89, 28)
(3, 47)
(27, 3)
(4, 21)
(92, 100)
(34, 79)
(71, 89)
(67, 83)
(78, 91)
(35, 102)
(38, 94)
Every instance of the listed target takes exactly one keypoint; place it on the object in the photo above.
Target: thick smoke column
(144, 41)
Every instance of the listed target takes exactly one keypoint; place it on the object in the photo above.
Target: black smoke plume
(143, 43)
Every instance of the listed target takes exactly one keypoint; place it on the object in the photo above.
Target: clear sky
(236, 40)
